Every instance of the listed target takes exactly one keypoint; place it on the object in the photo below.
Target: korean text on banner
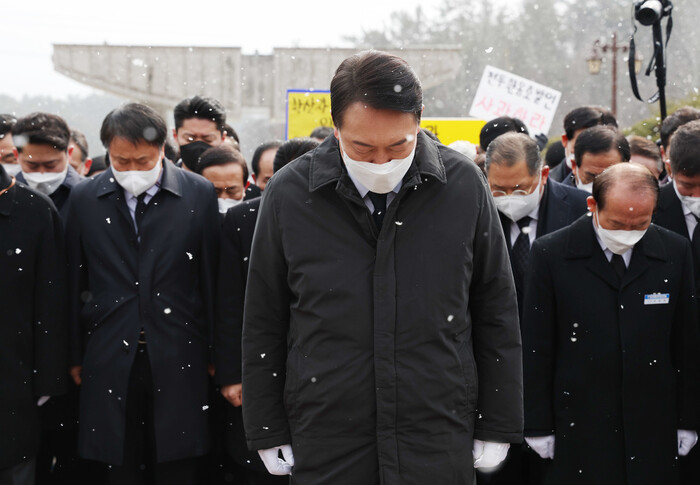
(306, 110)
(502, 93)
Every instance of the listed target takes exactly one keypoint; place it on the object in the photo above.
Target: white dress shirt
(532, 227)
(364, 191)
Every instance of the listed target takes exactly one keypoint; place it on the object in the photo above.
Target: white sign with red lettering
(502, 93)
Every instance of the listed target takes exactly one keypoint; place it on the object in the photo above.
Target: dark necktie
(520, 253)
(618, 265)
(140, 211)
(379, 202)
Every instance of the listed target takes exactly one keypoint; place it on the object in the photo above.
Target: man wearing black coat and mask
(143, 239)
(33, 333)
(380, 336)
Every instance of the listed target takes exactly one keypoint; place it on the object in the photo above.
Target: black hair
(321, 132)
(99, 164)
(587, 117)
(555, 154)
(6, 124)
(498, 126)
(512, 147)
(255, 163)
(79, 140)
(377, 79)
(41, 129)
(291, 150)
(635, 176)
(136, 123)
(222, 155)
(685, 149)
(172, 151)
(601, 139)
(679, 118)
(202, 108)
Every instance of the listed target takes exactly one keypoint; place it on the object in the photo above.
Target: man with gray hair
(530, 205)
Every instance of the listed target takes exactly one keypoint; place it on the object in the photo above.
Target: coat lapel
(582, 244)
(649, 247)
(110, 189)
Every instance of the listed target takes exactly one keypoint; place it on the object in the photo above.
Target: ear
(574, 167)
(223, 135)
(545, 175)
(175, 137)
(70, 150)
(564, 140)
(669, 171)
(336, 133)
(591, 203)
(87, 166)
(15, 153)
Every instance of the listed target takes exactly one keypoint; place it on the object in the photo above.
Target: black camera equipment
(652, 12)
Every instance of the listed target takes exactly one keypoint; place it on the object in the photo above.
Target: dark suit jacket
(238, 229)
(60, 196)
(165, 284)
(561, 172)
(560, 206)
(33, 319)
(611, 376)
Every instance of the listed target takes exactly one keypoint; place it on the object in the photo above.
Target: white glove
(276, 465)
(488, 455)
(686, 441)
(543, 445)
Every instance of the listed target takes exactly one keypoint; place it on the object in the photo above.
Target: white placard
(502, 93)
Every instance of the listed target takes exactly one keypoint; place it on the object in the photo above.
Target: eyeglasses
(500, 193)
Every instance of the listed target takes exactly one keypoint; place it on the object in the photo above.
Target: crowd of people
(362, 306)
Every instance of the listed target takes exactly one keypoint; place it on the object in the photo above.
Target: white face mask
(515, 207)
(46, 182)
(619, 242)
(136, 182)
(692, 203)
(379, 178)
(226, 204)
(581, 186)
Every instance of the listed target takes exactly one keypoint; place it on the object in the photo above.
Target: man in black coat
(678, 210)
(33, 333)
(610, 341)
(380, 336)
(529, 206)
(143, 239)
(43, 151)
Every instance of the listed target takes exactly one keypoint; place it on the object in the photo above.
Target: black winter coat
(165, 283)
(380, 355)
(33, 324)
(612, 377)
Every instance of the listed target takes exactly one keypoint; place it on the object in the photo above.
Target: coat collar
(6, 199)
(327, 167)
(169, 181)
(582, 243)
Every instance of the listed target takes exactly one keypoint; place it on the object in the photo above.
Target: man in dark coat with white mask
(143, 239)
(610, 341)
(33, 323)
(380, 339)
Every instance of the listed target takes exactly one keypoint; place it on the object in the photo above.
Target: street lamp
(595, 60)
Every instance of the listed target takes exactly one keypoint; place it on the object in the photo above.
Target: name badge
(657, 299)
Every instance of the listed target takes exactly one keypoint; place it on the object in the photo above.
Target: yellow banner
(307, 110)
(452, 129)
